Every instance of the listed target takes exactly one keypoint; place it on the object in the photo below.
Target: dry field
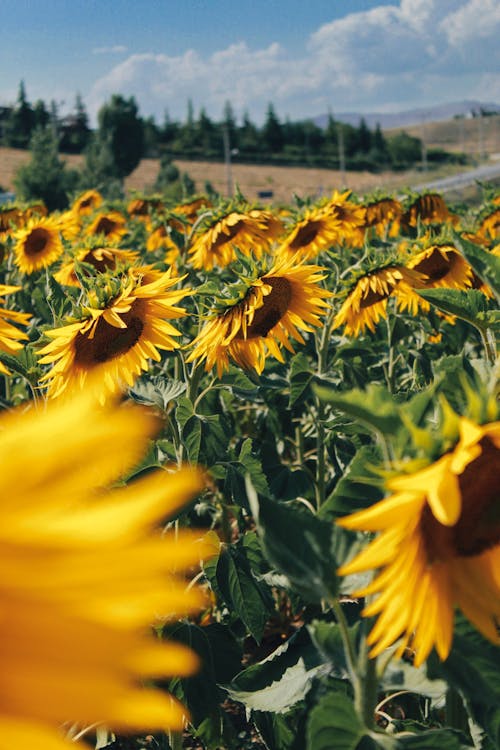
(475, 137)
(284, 182)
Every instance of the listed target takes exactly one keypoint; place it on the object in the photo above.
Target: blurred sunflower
(489, 229)
(429, 208)
(86, 203)
(351, 217)
(189, 212)
(384, 216)
(101, 258)
(38, 244)
(439, 548)
(140, 208)
(86, 575)
(273, 309)
(10, 217)
(215, 245)
(10, 336)
(111, 224)
(318, 229)
(366, 303)
(118, 335)
(160, 239)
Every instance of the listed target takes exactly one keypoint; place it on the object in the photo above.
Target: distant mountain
(411, 116)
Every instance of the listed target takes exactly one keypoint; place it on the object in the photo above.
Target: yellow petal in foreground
(438, 548)
(85, 574)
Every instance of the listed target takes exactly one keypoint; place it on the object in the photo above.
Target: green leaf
(157, 391)
(301, 376)
(298, 544)
(473, 669)
(280, 681)
(191, 437)
(466, 305)
(485, 264)
(374, 406)
(242, 593)
(435, 739)
(334, 723)
(14, 364)
(358, 488)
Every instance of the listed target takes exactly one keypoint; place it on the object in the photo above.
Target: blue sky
(306, 56)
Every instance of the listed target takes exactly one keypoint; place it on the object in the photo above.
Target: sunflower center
(105, 226)
(305, 235)
(478, 527)
(110, 342)
(36, 241)
(372, 296)
(436, 266)
(100, 264)
(227, 235)
(275, 306)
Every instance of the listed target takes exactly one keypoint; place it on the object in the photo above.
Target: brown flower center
(371, 297)
(100, 264)
(110, 342)
(437, 265)
(305, 235)
(227, 235)
(105, 226)
(275, 306)
(478, 527)
(37, 241)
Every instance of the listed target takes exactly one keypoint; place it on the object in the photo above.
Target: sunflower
(366, 302)
(111, 225)
(287, 298)
(318, 229)
(489, 229)
(443, 266)
(10, 336)
(101, 258)
(160, 239)
(189, 212)
(351, 217)
(140, 208)
(439, 548)
(119, 337)
(86, 575)
(429, 208)
(10, 216)
(38, 244)
(215, 245)
(87, 202)
(384, 216)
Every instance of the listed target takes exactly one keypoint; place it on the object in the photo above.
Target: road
(481, 174)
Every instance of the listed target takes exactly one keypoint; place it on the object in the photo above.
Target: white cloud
(411, 53)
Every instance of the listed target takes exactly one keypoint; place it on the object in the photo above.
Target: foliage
(45, 177)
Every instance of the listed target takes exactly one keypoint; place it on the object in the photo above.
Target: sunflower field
(251, 470)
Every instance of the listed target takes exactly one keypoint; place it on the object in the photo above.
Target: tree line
(123, 137)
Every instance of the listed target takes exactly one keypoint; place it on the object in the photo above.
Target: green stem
(488, 346)
(365, 698)
(320, 455)
(349, 652)
(175, 740)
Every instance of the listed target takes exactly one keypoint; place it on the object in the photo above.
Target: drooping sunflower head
(141, 208)
(489, 227)
(38, 245)
(160, 238)
(216, 240)
(442, 266)
(384, 216)
(11, 217)
(87, 203)
(277, 306)
(366, 302)
(122, 327)
(112, 225)
(429, 208)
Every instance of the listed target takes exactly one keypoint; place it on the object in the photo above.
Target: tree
(168, 174)
(100, 170)
(41, 116)
(364, 136)
(21, 122)
(404, 149)
(273, 131)
(45, 177)
(75, 130)
(121, 126)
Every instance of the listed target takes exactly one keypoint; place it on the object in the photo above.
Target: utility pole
(424, 146)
